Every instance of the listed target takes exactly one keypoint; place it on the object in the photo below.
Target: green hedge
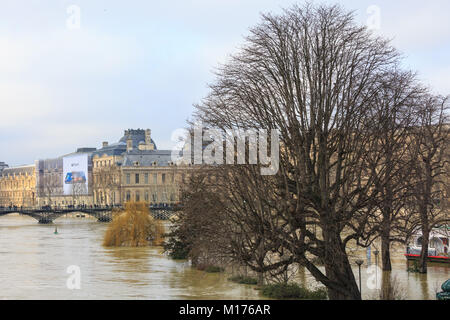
(292, 291)
(176, 249)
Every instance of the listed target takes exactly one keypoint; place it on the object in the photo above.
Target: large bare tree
(312, 74)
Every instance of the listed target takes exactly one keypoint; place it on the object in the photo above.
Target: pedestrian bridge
(47, 215)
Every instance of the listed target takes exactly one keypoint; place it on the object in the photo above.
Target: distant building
(18, 186)
(132, 169)
(53, 184)
(3, 166)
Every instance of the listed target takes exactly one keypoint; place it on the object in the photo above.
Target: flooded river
(34, 264)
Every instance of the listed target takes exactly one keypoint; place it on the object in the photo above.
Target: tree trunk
(194, 260)
(338, 269)
(387, 290)
(341, 273)
(385, 251)
(424, 251)
(260, 278)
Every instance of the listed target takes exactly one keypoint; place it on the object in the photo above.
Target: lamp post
(359, 263)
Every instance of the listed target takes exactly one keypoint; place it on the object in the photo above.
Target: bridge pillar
(104, 216)
(104, 219)
(45, 220)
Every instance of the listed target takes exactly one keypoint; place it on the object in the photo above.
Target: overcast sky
(142, 64)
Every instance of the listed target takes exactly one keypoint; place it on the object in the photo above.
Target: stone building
(18, 186)
(133, 169)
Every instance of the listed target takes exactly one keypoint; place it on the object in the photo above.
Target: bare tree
(107, 183)
(430, 150)
(78, 189)
(252, 219)
(393, 115)
(313, 75)
(220, 224)
(50, 186)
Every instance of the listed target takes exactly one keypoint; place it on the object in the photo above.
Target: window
(136, 178)
(163, 178)
(146, 196)
(128, 196)
(155, 178)
(138, 196)
(146, 178)
(154, 197)
(128, 178)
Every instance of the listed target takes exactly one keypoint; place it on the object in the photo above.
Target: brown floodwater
(34, 264)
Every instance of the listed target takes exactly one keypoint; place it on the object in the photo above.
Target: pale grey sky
(143, 64)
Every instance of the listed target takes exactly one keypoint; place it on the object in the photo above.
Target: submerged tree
(134, 227)
(393, 115)
(219, 222)
(430, 149)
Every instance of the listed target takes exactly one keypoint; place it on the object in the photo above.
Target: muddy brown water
(34, 264)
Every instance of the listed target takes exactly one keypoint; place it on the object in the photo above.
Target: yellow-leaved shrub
(134, 227)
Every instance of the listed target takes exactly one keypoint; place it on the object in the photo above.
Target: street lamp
(359, 263)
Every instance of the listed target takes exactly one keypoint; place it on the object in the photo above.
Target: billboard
(75, 175)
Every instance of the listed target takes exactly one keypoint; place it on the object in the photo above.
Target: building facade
(18, 186)
(132, 169)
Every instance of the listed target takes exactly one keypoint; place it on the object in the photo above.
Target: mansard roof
(120, 147)
(26, 169)
(147, 158)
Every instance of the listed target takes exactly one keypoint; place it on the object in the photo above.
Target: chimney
(105, 144)
(129, 144)
(148, 137)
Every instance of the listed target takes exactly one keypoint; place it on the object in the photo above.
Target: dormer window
(136, 163)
